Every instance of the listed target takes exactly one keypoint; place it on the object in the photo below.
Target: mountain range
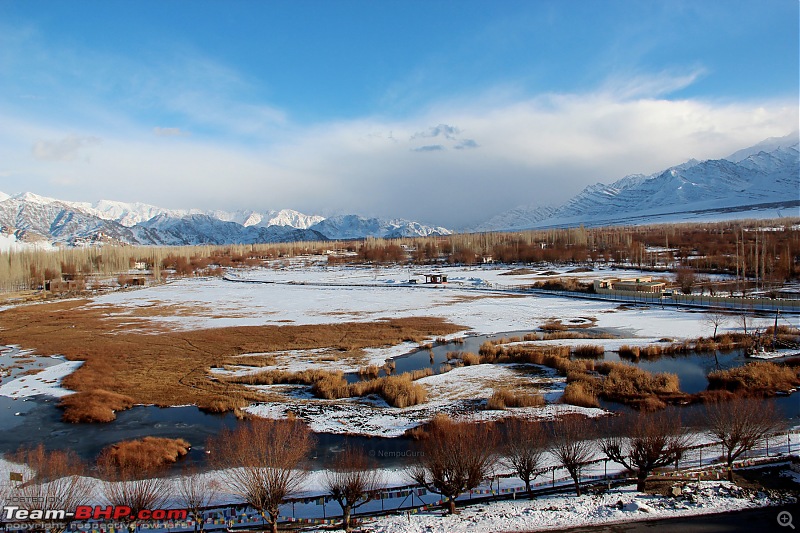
(764, 178)
(36, 219)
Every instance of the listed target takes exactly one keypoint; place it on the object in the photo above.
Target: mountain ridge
(756, 179)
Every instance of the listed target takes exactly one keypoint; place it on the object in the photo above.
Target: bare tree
(716, 318)
(572, 446)
(132, 481)
(686, 279)
(352, 481)
(740, 425)
(52, 480)
(524, 448)
(196, 491)
(743, 320)
(455, 458)
(653, 441)
(261, 463)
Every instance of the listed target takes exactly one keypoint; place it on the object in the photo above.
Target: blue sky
(447, 112)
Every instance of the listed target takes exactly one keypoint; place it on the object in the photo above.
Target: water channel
(37, 419)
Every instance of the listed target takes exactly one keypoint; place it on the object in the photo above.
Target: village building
(57, 286)
(641, 284)
(435, 278)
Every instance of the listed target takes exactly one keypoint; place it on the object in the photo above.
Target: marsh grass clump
(93, 406)
(503, 398)
(580, 393)
(370, 371)
(588, 350)
(469, 358)
(761, 377)
(148, 453)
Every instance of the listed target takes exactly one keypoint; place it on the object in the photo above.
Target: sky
(446, 112)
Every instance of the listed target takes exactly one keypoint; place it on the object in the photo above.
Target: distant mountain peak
(764, 176)
(71, 223)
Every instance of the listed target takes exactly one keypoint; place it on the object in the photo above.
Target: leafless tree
(740, 425)
(352, 481)
(743, 321)
(52, 480)
(132, 481)
(686, 279)
(572, 446)
(652, 441)
(525, 445)
(261, 463)
(716, 318)
(455, 458)
(196, 491)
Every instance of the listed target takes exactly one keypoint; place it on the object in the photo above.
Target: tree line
(263, 462)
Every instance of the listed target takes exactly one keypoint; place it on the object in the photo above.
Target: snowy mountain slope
(31, 217)
(354, 227)
(204, 229)
(767, 145)
(759, 180)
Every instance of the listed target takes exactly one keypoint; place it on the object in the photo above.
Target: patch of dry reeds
(503, 398)
(149, 453)
(93, 406)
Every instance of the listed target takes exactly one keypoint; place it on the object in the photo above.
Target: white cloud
(170, 132)
(64, 150)
(541, 149)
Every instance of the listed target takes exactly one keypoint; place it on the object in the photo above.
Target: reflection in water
(37, 419)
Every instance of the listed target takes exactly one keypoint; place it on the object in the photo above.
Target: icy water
(37, 419)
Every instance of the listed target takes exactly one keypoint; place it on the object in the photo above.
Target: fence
(698, 462)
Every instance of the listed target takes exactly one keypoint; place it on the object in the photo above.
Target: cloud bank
(454, 164)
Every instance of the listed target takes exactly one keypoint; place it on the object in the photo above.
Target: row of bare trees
(262, 462)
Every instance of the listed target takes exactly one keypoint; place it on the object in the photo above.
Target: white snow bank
(47, 382)
(561, 512)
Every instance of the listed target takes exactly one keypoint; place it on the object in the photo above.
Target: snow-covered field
(298, 293)
(560, 512)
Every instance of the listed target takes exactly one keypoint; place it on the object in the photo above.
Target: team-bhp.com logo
(87, 512)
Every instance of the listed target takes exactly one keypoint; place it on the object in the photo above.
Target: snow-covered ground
(560, 512)
(319, 295)
(303, 293)
(455, 393)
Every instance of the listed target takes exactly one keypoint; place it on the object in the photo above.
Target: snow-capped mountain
(354, 227)
(749, 180)
(32, 218)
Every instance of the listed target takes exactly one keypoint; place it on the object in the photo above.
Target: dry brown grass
(470, 358)
(93, 406)
(398, 391)
(502, 398)
(755, 378)
(588, 350)
(155, 365)
(553, 325)
(147, 453)
(623, 380)
(579, 393)
(370, 371)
